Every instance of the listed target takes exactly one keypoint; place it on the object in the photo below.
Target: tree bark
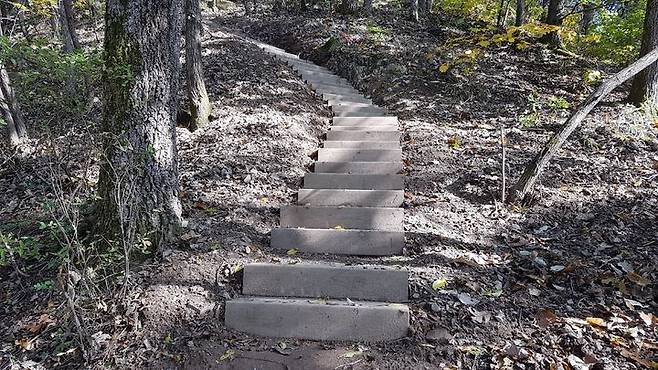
(138, 181)
(414, 10)
(553, 18)
(645, 85)
(67, 26)
(587, 18)
(500, 21)
(199, 104)
(534, 169)
(520, 13)
(348, 6)
(421, 7)
(11, 111)
(428, 6)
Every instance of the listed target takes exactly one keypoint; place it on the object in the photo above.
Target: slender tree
(520, 13)
(414, 10)
(199, 104)
(645, 84)
(553, 18)
(348, 6)
(138, 181)
(367, 6)
(11, 112)
(587, 18)
(67, 26)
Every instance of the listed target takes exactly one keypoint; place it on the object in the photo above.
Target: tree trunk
(421, 7)
(645, 85)
(500, 22)
(553, 18)
(302, 5)
(414, 10)
(520, 13)
(138, 181)
(534, 169)
(586, 20)
(11, 112)
(348, 6)
(67, 26)
(199, 104)
(428, 6)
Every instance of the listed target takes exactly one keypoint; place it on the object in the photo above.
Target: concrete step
(336, 90)
(364, 135)
(350, 198)
(345, 242)
(357, 98)
(362, 218)
(334, 80)
(338, 109)
(358, 168)
(348, 181)
(318, 83)
(363, 144)
(359, 155)
(365, 128)
(348, 104)
(360, 114)
(326, 280)
(365, 121)
(318, 320)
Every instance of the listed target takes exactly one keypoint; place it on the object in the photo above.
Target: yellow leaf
(228, 355)
(439, 284)
(484, 43)
(444, 67)
(293, 251)
(339, 227)
(454, 141)
(596, 321)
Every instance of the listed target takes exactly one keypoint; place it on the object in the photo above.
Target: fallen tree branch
(534, 169)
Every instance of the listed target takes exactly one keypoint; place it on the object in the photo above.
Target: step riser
(346, 218)
(346, 97)
(364, 121)
(364, 136)
(313, 281)
(350, 198)
(343, 242)
(359, 155)
(358, 182)
(358, 168)
(364, 128)
(289, 319)
(362, 144)
(359, 114)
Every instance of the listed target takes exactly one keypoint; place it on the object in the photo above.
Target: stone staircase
(349, 205)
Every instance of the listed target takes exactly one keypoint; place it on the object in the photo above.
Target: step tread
(308, 319)
(350, 197)
(345, 242)
(332, 217)
(327, 280)
(353, 181)
(358, 168)
(364, 135)
(359, 155)
(348, 144)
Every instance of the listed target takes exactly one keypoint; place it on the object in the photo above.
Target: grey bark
(138, 181)
(348, 6)
(645, 85)
(67, 26)
(199, 104)
(534, 169)
(428, 6)
(587, 19)
(367, 6)
(414, 10)
(11, 111)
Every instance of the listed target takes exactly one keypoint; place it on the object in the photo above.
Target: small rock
(440, 335)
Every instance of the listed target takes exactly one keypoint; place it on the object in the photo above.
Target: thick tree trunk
(645, 85)
(500, 21)
(67, 26)
(428, 6)
(414, 10)
(199, 104)
(138, 182)
(553, 18)
(520, 13)
(534, 169)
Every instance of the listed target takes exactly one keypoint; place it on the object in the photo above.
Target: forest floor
(564, 282)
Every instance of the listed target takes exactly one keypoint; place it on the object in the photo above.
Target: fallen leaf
(24, 343)
(292, 251)
(40, 324)
(439, 284)
(228, 355)
(444, 67)
(350, 354)
(638, 279)
(454, 141)
(440, 334)
(648, 318)
(467, 299)
(637, 358)
(596, 321)
(545, 318)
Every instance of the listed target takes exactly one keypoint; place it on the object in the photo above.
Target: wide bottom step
(318, 319)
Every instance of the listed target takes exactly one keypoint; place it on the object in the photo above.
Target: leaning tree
(645, 84)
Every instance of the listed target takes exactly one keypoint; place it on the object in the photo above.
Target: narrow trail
(349, 205)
